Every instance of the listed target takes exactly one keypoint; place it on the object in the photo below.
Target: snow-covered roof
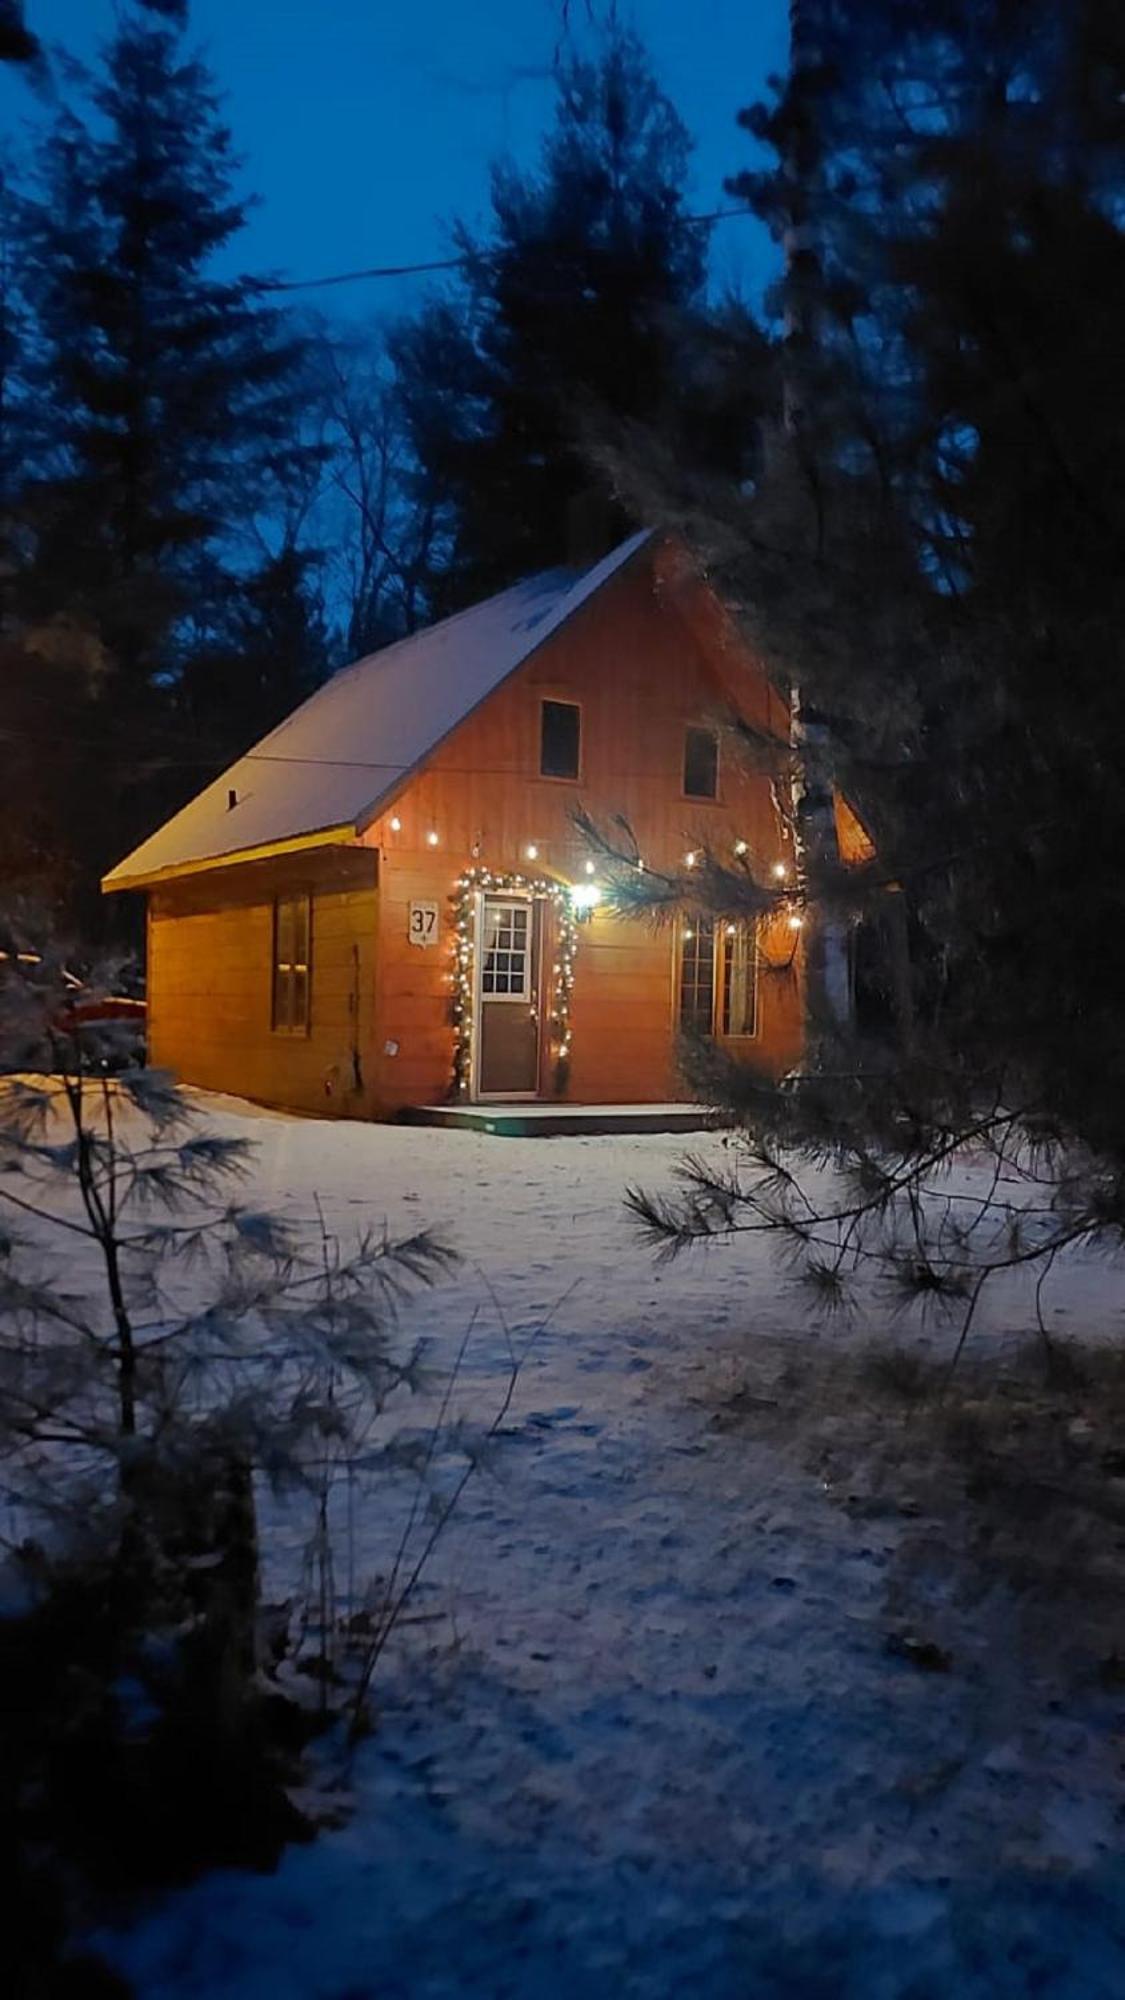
(340, 757)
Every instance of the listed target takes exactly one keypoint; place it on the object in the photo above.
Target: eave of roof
(328, 836)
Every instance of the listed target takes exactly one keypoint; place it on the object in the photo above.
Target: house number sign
(423, 928)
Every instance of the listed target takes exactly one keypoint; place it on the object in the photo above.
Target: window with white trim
(506, 964)
(719, 979)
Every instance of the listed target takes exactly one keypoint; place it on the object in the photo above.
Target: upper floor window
(701, 763)
(560, 739)
(291, 963)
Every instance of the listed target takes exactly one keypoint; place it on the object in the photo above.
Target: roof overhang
(300, 843)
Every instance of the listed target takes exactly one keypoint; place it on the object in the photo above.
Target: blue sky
(366, 124)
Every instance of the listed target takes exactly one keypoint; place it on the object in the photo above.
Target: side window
(291, 964)
(701, 764)
(719, 978)
(560, 739)
(697, 977)
(739, 988)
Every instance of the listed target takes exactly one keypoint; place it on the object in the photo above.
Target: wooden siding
(210, 955)
(643, 659)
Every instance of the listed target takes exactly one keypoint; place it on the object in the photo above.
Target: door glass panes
(697, 977)
(505, 965)
(740, 979)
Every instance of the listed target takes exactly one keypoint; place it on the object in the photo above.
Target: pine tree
(570, 311)
(932, 554)
(275, 650)
(167, 397)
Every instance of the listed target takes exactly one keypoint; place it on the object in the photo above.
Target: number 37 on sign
(423, 926)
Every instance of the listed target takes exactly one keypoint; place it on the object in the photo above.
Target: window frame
(511, 906)
(285, 974)
(721, 959)
(561, 701)
(748, 930)
(698, 729)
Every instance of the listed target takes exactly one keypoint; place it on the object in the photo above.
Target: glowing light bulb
(689, 934)
(690, 858)
(780, 870)
(795, 923)
(431, 838)
(586, 895)
(731, 929)
(531, 851)
(590, 867)
(740, 847)
(396, 823)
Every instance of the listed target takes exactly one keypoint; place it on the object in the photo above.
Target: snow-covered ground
(655, 1743)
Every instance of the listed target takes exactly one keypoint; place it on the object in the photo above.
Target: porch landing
(544, 1121)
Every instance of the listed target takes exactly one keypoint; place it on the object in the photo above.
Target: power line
(463, 263)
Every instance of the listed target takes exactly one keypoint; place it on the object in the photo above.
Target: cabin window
(701, 764)
(697, 977)
(560, 739)
(739, 986)
(291, 942)
(719, 978)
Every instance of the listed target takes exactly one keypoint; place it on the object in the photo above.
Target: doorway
(508, 931)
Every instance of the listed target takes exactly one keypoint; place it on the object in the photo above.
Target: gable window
(719, 979)
(291, 960)
(701, 763)
(560, 739)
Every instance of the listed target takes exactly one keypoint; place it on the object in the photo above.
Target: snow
(648, 1739)
(340, 757)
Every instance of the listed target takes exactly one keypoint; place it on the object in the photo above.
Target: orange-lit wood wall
(648, 655)
(210, 960)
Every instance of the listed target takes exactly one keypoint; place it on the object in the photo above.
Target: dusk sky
(365, 125)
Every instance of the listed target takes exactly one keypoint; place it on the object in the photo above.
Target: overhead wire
(462, 263)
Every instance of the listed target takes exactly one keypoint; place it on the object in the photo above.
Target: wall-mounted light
(584, 898)
(740, 847)
(395, 823)
(431, 838)
(690, 858)
(531, 851)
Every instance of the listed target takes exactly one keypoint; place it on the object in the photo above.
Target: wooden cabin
(387, 903)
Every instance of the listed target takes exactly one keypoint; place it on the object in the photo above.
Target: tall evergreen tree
(166, 396)
(933, 554)
(569, 311)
